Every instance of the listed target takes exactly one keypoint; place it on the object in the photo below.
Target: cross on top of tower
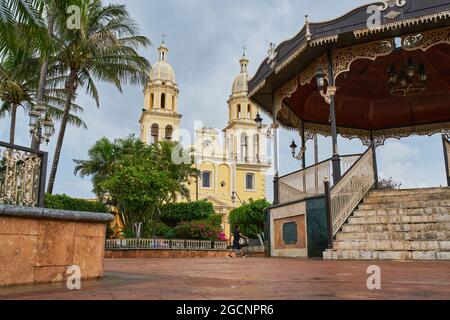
(244, 48)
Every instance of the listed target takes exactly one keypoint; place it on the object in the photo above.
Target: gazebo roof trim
(348, 29)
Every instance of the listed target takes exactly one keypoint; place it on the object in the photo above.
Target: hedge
(174, 213)
(64, 202)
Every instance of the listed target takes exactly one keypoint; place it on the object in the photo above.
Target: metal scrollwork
(426, 40)
(390, 3)
(19, 177)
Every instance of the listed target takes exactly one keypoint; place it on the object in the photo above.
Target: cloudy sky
(205, 38)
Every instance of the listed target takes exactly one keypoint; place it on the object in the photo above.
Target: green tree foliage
(174, 213)
(103, 49)
(64, 202)
(250, 217)
(139, 180)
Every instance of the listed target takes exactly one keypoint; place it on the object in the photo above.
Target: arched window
(152, 100)
(239, 111)
(249, 112)
(256, 148)
(155, 133)
(244, 147)
(163, 101)
(173, 103)
(169, 132)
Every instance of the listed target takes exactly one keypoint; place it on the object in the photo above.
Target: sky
(205, 38)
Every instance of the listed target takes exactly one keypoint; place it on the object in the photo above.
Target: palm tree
(103, 49)
(163, 152)
(19, 81)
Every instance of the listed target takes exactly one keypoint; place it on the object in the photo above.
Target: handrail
(347, 194)
(446, 143)
(308, 182)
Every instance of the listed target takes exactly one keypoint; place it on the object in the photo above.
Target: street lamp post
(41, 126)
(329, 97)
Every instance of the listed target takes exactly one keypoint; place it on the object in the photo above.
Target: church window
(169, 132)
(249, 112)
(244, 147)
(152, 100)
(173, 102)
(206, 179)
(250, 181)
(163, 101)
(239, 111)
(256, 148)
(155, 133)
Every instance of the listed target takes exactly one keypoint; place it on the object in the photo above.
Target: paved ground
(251, 278)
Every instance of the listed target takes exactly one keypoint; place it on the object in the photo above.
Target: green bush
(174, 213)
(250, 217)
(64, 202)
(161, 230)
(183, 230)
(215, 220)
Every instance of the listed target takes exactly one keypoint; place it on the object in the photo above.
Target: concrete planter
(38, 245)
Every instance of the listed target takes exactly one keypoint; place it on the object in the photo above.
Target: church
(232, 162)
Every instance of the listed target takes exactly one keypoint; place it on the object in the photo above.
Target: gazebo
(378, 72)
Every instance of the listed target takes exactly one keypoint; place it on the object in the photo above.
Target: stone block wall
(37, 245)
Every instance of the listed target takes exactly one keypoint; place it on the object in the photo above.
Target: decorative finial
(308, 34)
(163, 38)
(272, 54)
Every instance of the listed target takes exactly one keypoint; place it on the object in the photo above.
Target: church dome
(162, 70)
(240, 83)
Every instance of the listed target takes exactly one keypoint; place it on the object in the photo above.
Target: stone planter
(37, 245)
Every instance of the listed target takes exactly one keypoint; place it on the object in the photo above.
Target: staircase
(397, 225)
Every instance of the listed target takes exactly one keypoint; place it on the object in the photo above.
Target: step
(402, 211)
(387, 245)
(386, 255)
(397, 227)
(383, 193)
(395, 235)
(406, 204)
(406, 198)
(400, 219)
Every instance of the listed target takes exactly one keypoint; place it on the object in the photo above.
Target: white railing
(346, 195)
(307, 182)
(161, 244)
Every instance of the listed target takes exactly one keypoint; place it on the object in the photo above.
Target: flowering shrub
(199, 230)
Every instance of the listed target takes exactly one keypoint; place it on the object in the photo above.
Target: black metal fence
(23, 174)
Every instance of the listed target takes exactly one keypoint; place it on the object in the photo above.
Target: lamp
(293, 147)
(34, 117)
(258, 121)
(320, 78)
(49, 128)
(409, 81)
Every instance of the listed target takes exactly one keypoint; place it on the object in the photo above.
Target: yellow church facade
(232, 162)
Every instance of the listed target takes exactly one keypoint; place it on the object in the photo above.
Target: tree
(18, 83)
(389, 184)
(104, 48)
(139, 191)
(250, 217)
(164, 152)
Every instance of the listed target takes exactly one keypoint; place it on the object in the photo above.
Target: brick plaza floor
(250, 278)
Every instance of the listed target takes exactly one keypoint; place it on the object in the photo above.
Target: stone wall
(37, 245)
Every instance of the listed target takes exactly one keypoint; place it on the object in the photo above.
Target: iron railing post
(446, 145)
(329, 217)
